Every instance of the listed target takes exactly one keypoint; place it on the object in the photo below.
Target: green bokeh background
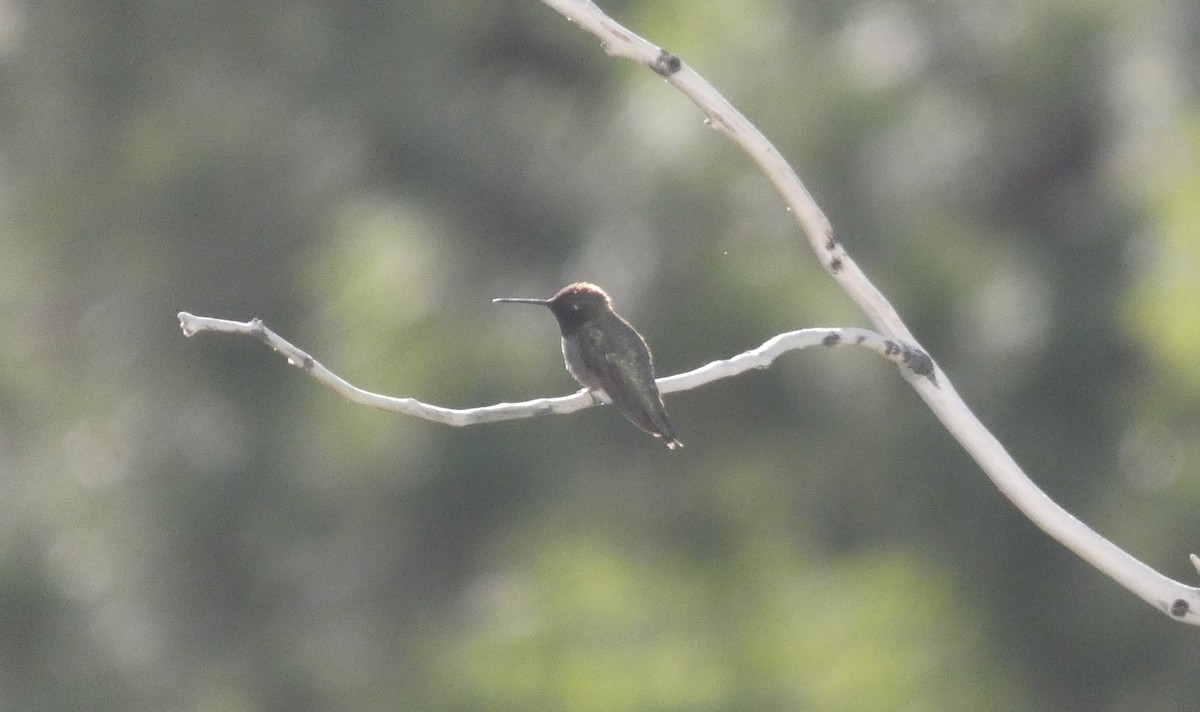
(189, 524)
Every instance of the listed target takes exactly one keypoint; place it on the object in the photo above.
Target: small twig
(761, 357)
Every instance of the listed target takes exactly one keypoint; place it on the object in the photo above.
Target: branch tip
(185, 326)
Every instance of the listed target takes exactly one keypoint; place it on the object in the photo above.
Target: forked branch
(1175, 599)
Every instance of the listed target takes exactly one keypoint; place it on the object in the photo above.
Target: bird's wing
(619, 372)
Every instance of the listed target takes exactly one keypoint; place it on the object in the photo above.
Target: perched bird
(604, 353)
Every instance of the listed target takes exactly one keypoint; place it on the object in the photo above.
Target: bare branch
(761, 357)
(1171, 597)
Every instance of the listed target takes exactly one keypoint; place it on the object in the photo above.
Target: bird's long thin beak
(521, 300)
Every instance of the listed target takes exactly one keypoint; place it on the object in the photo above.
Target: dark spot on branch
(830, 241)
(665, 64)
(835, 265)
(1179, 608)
(891, 348)
(306, 364)
(831, 340)
(920, 363)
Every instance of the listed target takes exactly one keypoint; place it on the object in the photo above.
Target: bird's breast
(573, 356)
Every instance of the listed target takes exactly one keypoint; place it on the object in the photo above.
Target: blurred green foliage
(192, 525)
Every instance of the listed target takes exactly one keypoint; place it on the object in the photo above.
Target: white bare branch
(1175, 599)
(761, 357)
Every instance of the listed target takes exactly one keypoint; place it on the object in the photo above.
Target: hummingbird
(607, 355)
